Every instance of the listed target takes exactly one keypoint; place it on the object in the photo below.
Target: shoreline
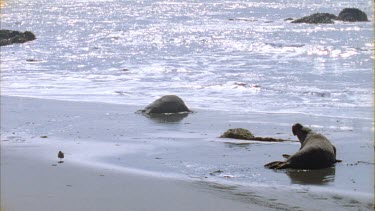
(131, 140)
(139, 107)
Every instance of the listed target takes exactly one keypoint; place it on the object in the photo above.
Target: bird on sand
(61, 156)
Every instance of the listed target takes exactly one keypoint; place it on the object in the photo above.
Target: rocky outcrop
(8, 37)
(168, 104)
(347, 14)
(352, 15)
(317, 18)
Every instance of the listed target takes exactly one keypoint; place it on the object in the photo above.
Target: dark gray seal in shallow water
(166, 104)
(316, 151)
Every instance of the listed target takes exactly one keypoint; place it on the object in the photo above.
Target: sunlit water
(232, 55)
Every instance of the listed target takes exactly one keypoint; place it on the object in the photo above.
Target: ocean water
(216, 55)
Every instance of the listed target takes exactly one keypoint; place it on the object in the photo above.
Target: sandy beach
(116, 159)
(34, 184)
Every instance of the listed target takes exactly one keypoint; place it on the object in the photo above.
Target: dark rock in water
(347, 14)
(317, 18)
(216, 172)
(238, 133)
(352, 15)
(166, 104)
(8, 37)
(33, 60)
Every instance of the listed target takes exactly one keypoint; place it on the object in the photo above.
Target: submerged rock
(352, 15)
(317, 18)
(166, 105)
(288, 19)
(8, 37)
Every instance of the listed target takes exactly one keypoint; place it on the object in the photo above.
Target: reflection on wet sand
(167, 118)
(313, 177)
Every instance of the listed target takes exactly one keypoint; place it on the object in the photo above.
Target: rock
(33, 60)
(216, 172)
(238, 133)
(8, 37)
(352, 15)
(347, 14)
(167, 104)
(317, 18)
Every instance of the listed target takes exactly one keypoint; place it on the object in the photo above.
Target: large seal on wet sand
(316, 151)
(166, 104)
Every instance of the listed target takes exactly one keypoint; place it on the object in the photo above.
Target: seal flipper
(283, 165)
(268, 165)
(277, 165)
(286, 156)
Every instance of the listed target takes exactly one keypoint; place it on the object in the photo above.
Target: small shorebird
(61, 156)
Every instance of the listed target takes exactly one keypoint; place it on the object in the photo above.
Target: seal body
(316, 151)
(166, 104)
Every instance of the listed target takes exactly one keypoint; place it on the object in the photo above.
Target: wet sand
(29, 183)
(112, 161)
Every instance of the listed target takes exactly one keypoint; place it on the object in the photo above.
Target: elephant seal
(316, 151)
(166, 104)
